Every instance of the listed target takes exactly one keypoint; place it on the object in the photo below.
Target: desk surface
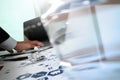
(50, 69)
(47, 69)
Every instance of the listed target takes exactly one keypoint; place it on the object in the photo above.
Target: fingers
(25, 45)
(37, 43)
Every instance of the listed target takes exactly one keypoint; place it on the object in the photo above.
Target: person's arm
(6, 42)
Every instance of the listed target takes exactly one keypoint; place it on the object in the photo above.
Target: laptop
(34, 30)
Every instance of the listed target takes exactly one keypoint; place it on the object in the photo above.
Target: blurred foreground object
(87, 38)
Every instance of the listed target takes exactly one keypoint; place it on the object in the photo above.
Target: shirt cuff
(9, 44)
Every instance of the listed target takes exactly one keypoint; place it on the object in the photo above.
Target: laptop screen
(34, 30)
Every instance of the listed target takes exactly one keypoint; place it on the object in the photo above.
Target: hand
(24, 45)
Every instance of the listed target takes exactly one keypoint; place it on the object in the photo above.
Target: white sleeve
(9, 44)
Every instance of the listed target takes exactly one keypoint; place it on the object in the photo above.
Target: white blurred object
(36, 56)
(88, 34)
(36, 48)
